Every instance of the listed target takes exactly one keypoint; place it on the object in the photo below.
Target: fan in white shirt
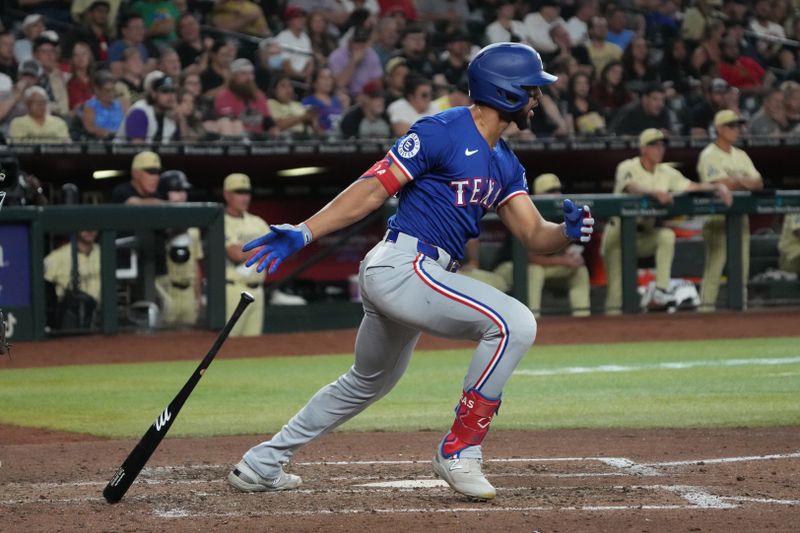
(505, 28)
(295, 44)
(537, 26)
(417, 102)
(577, 26)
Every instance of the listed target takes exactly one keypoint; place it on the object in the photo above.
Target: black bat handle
(133, 464)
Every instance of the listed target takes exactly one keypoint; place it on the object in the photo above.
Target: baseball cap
(650, 136)
(293, 12)
(30, 20)
(34, 89)
(30, 67)
(158, 81)
(47, 37)
(718, 85)
(146, 160)
(98, 3)
(373, 88)
(241, 65)
(237, 182)
(393, 63)
(727, 116)
(545, 183)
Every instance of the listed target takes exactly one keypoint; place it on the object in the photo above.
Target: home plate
(407, 484)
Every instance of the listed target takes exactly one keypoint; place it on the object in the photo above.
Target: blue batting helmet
(501, 72)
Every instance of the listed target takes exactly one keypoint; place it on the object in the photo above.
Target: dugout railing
(22, 238)
(628, 207)
(23, 230)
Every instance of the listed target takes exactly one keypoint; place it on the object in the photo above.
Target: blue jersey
(456, 177)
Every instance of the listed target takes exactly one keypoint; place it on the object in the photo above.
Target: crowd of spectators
(241, 70)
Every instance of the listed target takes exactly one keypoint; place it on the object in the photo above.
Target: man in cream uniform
(566, 267)
(789, 245)
(647, 175)
(721, 162)
(240, 228)
(58, 266)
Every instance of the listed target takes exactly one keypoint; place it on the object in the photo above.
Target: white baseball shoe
(464, 475)
(246, 479)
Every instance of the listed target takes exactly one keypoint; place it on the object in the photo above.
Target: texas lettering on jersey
(447, 177)
(476, 191)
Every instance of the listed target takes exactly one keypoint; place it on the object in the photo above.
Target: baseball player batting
(448, 170)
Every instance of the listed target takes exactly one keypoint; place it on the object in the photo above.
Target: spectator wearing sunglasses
(417, 102)
(149, 120)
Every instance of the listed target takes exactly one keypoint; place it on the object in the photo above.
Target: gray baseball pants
(405, 293)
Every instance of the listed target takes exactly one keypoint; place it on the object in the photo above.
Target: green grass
(258, 395)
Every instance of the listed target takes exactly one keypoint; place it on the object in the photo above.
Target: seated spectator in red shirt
(79, 86)
(240, 101)
(740, 71)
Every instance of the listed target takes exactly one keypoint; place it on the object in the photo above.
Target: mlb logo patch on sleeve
(409, 147)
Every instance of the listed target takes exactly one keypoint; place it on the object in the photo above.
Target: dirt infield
(622, 480)
(740, 479)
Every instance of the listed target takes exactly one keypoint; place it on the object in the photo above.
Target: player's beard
(245, 91)
(521, 117)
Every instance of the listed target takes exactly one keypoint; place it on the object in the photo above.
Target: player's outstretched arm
(538, 235)
(351, 205)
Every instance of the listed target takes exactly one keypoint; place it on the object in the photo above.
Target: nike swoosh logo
(469, 152)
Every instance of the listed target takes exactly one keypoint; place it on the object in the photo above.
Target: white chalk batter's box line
(618, 462)
(696, 497)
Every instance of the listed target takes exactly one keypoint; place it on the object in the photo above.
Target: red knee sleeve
(473, 416)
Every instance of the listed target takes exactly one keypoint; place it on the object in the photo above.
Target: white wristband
(307, 236)
(564, 232)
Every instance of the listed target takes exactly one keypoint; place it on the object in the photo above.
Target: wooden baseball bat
(138, 457)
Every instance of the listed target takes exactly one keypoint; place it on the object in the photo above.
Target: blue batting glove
(283, 241)
(578, 222)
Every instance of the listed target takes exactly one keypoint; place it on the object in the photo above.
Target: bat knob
(249, 298)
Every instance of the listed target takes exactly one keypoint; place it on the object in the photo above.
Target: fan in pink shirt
(242, 102)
